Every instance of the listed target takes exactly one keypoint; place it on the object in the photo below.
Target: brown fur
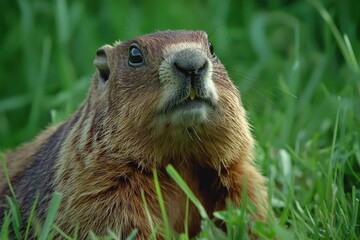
(110, 147)
(22, 157)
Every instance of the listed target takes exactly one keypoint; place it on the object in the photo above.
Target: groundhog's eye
(211, 48)
(136, 58)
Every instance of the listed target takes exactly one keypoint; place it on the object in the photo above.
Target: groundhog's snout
(190, 63)
(189, 93)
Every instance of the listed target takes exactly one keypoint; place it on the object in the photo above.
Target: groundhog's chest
(113, 196)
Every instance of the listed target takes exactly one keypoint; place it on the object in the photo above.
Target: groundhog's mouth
(189, 104)
(188, 112)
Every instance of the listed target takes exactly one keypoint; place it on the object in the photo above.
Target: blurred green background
(294, 62)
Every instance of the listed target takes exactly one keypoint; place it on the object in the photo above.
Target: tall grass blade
(182, 184)
(62, 233)
(132, 235)
(148, 215)
(162, 206)
(31, 216)
(355, 221)
(186, 220)
(4, 232)
(16, 217)
(343, 43)
(6, 173)
(50, 217)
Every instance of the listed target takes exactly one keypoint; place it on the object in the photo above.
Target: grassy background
(299, 79)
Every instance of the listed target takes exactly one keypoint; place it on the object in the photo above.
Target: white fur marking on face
(171, 49)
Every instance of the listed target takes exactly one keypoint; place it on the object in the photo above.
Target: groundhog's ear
(101, 62)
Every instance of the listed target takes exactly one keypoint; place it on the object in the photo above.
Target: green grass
(296, 64)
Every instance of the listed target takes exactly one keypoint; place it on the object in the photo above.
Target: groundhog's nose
(190, 63)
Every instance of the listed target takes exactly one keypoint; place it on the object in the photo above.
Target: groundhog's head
(166, 94)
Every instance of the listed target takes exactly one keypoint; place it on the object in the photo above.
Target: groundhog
(158, 99)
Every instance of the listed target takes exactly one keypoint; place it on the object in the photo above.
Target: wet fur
(103, 156)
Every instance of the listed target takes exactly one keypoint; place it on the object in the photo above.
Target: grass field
(296, 64)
